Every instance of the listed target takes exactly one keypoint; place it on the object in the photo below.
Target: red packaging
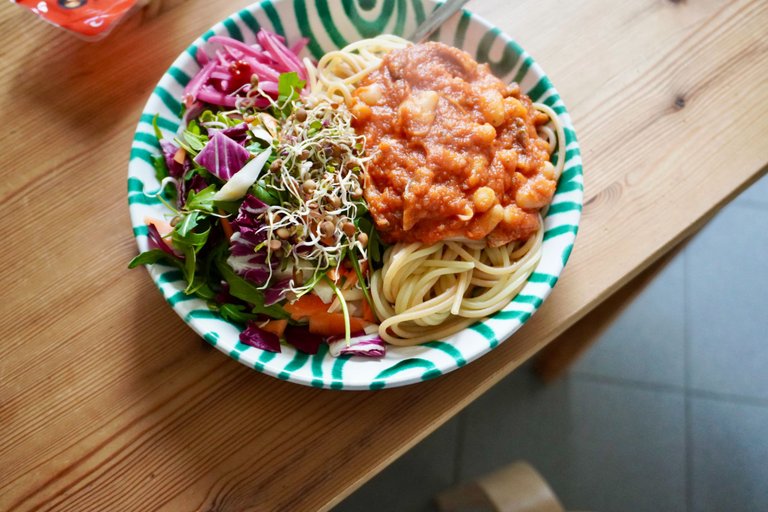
(89, 18)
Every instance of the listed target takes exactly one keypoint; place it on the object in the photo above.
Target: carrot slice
(307, 306)
(179, 156)
(368, 314)
(332, 324)
(162, 226)
(275, 327)
(227, 228)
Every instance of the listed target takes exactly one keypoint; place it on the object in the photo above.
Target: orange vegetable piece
(307, 306)
(368, 314)
(275, 327)
(227, 228)
(163, 228)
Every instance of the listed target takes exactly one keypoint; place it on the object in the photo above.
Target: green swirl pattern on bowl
(329, 25)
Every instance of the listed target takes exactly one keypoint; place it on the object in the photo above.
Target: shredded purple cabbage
(276, 292)
(222, 156)
(247, 234)
(169, 149)
(156, 241)
(255, 336)
(361, 344)
(302, 339)
(238, 133)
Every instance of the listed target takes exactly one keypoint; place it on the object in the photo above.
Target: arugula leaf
(365, 225)
(154, 256)
(202, 200)
(230, 207)
(204, 291)
(243, 290)
(158, 133)
(190, 263)
(190, 243)
(189, 239)
(265, 195)
(236, 313)
(161, 171)
(188, 223)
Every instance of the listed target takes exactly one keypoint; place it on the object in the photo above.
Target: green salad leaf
(289, 87)
(154, 256)
(243, 290)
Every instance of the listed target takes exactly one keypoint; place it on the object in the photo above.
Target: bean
(309, 186)
(363, 239)
(300, 114)
(275, 245)
(483, 198)
(327, 228)
(275, 167)
(348, 228)
(283, 233)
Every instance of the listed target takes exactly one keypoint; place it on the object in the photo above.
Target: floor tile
(601, 446)
(756, 194)
(727, 279)
(728, 456)
(647, 342)
(409, 484)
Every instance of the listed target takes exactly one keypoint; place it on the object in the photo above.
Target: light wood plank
(108, 402)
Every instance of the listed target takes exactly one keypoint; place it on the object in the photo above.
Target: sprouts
(317, 176)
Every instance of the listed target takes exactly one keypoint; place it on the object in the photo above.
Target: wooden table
(109, 402)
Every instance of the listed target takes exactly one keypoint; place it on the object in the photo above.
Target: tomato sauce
(454, 151)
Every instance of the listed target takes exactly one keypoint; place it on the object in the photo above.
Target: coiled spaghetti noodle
(337, 72)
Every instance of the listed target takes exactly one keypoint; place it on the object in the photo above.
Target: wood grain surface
(109, 402)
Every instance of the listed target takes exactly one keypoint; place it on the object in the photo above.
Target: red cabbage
(276, 292)
(361, 344)
(248, 232)
(237, 133)
(302, 339)
(156, 241)
(254, 336)
(169, 149)
(250, 209)
(222, 156)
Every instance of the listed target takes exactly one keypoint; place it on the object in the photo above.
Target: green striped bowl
(329, 25)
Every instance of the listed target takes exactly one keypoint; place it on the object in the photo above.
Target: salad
(265, 187)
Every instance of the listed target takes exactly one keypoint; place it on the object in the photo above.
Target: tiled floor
(667, 412)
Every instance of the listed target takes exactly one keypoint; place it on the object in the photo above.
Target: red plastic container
(91, 19)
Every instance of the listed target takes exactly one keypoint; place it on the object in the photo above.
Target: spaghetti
(338, 72)
(427, 291)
